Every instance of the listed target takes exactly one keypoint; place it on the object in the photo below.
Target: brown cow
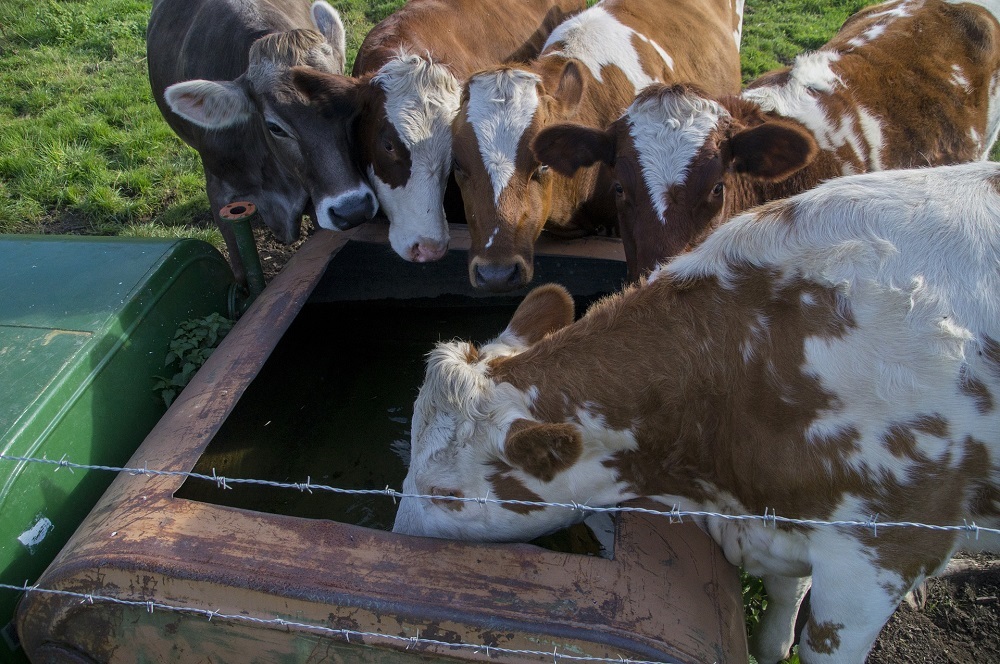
(406, 93)
(590, 70)
(830, 357)
(905, 83)
(219, 74)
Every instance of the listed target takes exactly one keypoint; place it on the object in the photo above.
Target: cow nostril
(498, 277)
(426, 251)
(350, 210)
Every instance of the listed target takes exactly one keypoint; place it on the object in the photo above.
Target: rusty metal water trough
(259, 587)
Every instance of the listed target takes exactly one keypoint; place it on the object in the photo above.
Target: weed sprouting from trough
(193, 343)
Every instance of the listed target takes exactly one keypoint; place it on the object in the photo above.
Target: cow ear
(544, 310)
(335, 95)
(328, 22)
(772, 151)
(570, 89)
(209, 104)
(542, 449)
(567, 147)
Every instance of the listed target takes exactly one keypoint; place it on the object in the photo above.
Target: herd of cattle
(823, 343)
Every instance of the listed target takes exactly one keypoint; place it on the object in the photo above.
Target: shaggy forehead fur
(273, 54)
(502, 104)
(421, 97)
(667, 131)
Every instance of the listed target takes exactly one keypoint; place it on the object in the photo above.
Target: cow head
(508, 194)
(289, 133)
(403, 130)
(474, 437)
(683, 164)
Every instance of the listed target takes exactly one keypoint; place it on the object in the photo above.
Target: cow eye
(540, 171)
(717, 189)
(619, 189)
(387, 146)
(276, 129)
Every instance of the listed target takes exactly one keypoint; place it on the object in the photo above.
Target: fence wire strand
(150, 606)
(675, 514)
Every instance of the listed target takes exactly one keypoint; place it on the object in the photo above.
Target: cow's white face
(461, 422)
(474, 437)
(408, 160)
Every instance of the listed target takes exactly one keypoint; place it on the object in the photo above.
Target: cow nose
(499, 277)
(349, 210)
(426, 251)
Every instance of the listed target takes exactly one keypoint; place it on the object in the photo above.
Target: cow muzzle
(347, 210)
(499, 276)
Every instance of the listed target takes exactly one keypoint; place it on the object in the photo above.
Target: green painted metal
(85, 325)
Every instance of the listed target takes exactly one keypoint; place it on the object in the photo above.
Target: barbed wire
(346, 634)
(675, 514)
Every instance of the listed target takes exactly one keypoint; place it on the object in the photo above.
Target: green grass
(84, 149)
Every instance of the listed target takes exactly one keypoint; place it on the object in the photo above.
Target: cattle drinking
(834, 356)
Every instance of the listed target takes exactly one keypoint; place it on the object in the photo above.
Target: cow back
(466, 35)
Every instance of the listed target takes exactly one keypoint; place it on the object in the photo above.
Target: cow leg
(851, 600)
(774, 635)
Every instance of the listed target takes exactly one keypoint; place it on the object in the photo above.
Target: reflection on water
(333, 405)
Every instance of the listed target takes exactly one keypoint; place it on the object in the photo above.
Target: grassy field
(83, 148)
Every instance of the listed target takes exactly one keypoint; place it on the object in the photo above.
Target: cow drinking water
(903, 84)
(834, 356)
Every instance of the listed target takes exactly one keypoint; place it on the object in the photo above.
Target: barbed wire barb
(64, 463)
(873, 523)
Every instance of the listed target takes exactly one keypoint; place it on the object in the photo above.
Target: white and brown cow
(219, 74)
(834, 356)
(405, 94)
(905, 83)
(590, 70)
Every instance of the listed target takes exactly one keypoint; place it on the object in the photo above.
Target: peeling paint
(33, 536)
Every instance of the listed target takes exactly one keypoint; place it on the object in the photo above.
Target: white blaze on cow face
(463, 425)
(501, 107)
(460, 421)
(475, 437)
(667, 133)
(597, 39)
(421, 100)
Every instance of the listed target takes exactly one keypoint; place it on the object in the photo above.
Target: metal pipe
(241, 214)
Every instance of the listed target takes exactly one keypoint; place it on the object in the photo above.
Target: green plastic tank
(85, 326)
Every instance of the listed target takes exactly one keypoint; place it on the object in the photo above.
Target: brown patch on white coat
(814, 361)
(590, 70)
(907, 83)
